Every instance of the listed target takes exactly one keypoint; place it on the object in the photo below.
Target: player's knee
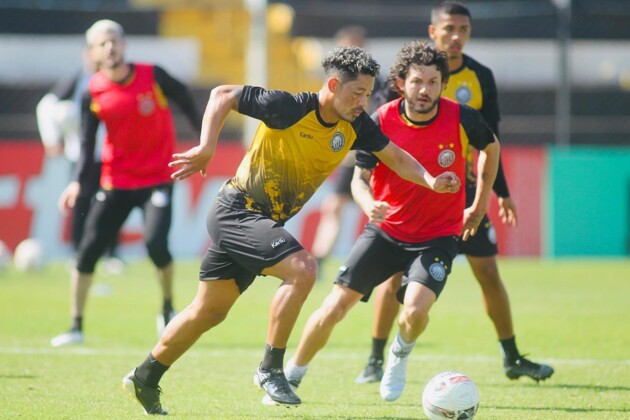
(205, 318)
(415, 316)
(332, 313)
(304, 284)
(159, 253)
(306, 276)
(488, 274)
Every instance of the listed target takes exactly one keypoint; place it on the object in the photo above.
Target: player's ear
(431, 32)
(333, 83)
(400, 84)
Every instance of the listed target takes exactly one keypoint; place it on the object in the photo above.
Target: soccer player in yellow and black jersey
(300, 140)
(472, 84)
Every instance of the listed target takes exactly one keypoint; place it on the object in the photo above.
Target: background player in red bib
(412, 230)
(132, 101)
(472, 84)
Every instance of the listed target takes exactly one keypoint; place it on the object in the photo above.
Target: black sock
(77, 323)
(167, 307)
(508, 347)
(150, 371)
(274, 358)
(378, 348)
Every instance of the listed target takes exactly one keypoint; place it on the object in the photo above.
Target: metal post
(256, 60)
(563, 89)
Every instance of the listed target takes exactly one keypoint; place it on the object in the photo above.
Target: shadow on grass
(563, 409)
(596, 388)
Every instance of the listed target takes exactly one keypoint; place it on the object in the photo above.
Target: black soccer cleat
(373, 372)
(524, 367)
(149, 398)
(276, 386)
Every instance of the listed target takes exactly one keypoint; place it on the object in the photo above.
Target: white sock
(400, 347)
(294, 372)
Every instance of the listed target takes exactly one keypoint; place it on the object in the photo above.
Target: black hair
(417, 53)
(348, 63)
(449, 8)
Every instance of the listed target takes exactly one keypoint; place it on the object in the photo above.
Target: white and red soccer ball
(450, 395)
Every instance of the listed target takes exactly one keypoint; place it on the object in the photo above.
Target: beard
(419, 110)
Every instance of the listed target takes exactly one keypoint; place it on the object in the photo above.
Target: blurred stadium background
(562, 69)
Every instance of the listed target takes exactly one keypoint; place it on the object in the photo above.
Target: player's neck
(120, 73)
(455, 63)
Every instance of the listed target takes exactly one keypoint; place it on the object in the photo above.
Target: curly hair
(348, 63)
(417, 53)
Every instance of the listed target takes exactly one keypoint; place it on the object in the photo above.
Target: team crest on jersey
(437, 271)
(146, 104)
(463, 94)
(446, 158)
(337, 142)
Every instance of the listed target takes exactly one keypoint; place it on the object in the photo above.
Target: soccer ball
(29, 255)
(5, 256)
(450, 395)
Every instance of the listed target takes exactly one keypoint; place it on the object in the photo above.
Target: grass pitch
(573, 314)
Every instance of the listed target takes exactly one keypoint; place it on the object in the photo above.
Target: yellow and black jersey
(294, 149)
(473, 84)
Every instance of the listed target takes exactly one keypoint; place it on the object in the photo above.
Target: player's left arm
(178, 92)
(483, 139)
(491, 114)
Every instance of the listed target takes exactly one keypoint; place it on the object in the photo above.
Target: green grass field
(572, 314)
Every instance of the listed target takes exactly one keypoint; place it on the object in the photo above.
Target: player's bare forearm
(376, 211)
(405, 165)
(222, 100)
(487, 166)
(408, 168)
(361, 190)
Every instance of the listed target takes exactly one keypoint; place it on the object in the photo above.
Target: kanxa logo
(278, 242)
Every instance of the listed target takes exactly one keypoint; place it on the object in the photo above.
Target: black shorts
(483, 244)
(376, 256)
(244, 242)
(108, 212)
(344, 179)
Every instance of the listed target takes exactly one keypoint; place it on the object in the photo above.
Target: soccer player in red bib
(470, 83)
(300, 140)
(132, 100)
(411, 231)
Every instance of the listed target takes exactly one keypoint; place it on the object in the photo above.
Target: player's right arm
(89, 127)
(376, 211)
(223, 99)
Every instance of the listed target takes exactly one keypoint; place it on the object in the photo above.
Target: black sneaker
(275, 384)
(524, 367)
(148, 397)
(373, 372)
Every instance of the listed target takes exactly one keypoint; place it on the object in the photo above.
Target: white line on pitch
(87, 351)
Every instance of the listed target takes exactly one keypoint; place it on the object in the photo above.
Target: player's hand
(192, 161)
(378, 212)
(446, 182)
(507, 211)
(68, 197)
(54, 150)
(472, 219)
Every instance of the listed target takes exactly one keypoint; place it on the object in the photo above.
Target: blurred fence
(519, 40)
